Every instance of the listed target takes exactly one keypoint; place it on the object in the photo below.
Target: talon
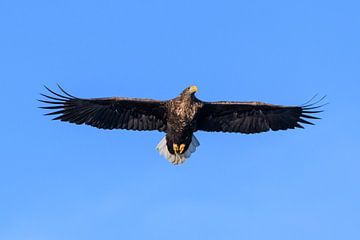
(175, 148)
(181, 148)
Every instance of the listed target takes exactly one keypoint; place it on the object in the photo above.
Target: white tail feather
(179, 158)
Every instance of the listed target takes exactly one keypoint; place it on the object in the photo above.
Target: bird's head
(189, 91)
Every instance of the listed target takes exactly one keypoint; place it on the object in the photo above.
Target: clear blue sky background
(61, 181)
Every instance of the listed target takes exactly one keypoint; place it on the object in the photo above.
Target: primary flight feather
(179, 117)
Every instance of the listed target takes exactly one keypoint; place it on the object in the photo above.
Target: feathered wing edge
(311, 108)
(106, 113)
(256, 117)
(177, 158)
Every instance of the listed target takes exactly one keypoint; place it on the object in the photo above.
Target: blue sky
(61, 181)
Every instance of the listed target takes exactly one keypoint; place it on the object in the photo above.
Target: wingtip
(66, 93)
(311, 104)
(312, 98)
(47, 88)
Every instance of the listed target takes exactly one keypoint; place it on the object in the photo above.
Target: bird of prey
(178, 118)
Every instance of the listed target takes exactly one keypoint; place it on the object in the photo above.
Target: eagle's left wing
(253, 117)
(107, 113)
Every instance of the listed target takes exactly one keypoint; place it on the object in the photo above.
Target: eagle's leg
(175, 148)
(181, 148)
(178, 149)
(176, 153)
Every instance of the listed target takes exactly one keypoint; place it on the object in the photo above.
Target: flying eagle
(179, 117)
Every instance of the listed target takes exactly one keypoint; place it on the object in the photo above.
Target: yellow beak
(193, 89)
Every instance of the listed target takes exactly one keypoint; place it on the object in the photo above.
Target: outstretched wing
(253, 117)
(107, 113)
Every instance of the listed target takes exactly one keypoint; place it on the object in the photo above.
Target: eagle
(179, 117)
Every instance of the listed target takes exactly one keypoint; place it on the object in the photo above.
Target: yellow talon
(175, 148)
(182, 148)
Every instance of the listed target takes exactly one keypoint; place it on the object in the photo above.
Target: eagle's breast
(182, 113)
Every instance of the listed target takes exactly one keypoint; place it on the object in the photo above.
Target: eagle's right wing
(253, 117)
(107, 113)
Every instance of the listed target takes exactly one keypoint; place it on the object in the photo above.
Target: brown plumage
(179, 118)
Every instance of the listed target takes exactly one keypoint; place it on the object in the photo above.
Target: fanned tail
(177, 158)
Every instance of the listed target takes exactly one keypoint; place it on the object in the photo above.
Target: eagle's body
(182, 115)
(179, 118)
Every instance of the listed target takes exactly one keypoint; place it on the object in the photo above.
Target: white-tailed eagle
(179, 117)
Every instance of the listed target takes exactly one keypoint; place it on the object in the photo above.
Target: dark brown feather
(107, 113)
(253, 117)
